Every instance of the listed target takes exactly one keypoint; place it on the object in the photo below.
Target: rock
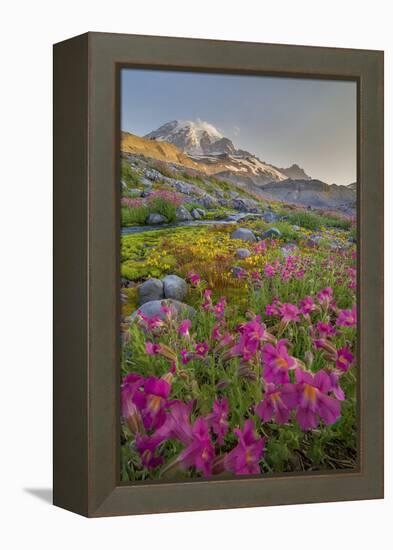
(272, 233)
(195, 214)
(198, 213)
(219, 193)
(152, 289)
(174, 287)
(244, 235)
(270, 217)
(243, 253)
(296, 227)
(153, 175)
(208, 201)
(145, 182)
(182, 187)
(153, 308)
(155, 219)
(183, 214)
(233, 194)
(245, 205)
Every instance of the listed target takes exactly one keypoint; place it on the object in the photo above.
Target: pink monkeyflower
(347, 317)
(151, 323)
(269, 270)
(252, 335)
(325, 329)
(186, 356)
(255, 276)
(218, 419)
(132, 400)
(147, 447)
(289, 312)
(207, 303)
(277, 363)
(219, 308)
(152, 349)
(314, 401)
(325, 296)
(200, 451)
(157, 391)
(201, 349)
(195, 279)
(177, 424)
(184, 327)
(166, 310)
(277, 403)
(336, 389)
(216, 334)
(271, 310)
(260, 247)
(307, 305)
(344, 359)
(245, 457)
(299, 274)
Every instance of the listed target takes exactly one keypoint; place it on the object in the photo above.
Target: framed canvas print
(218, 274)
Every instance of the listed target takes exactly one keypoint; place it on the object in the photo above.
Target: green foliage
(127, 174)
(134, 216)
(159, 205)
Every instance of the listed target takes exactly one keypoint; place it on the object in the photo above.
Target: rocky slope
(201, 148)
(312, 193)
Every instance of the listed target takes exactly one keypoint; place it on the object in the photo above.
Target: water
(233, 218)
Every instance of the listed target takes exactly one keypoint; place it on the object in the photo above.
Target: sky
(281, 120)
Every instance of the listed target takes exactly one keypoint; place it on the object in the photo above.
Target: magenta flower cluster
(293, 390)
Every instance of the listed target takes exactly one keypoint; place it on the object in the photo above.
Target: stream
(233, 218)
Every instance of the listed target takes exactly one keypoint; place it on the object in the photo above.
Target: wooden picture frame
(86, 276)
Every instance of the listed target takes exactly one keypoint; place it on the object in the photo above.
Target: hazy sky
(281, 120)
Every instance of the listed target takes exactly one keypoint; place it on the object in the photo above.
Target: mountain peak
(194, 137)
(295, 172)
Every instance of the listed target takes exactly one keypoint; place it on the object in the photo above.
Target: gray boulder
(174, 287)
(270, 217)
(272, 233)
(153, 308)
(243, 253)
(152, 289)
(156, 219)
(183, 214)
(244, 234)
(134, 192)
(195, 214)
(245, 205)
(208, 201)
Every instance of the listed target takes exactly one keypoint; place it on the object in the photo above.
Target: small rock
(155, 219)
(153, 308)
(208, 201)
(270, 217)
(198, 213)
(152, 289)
(244, 235)
(195, 214)
(273, 232)
(243, 253)
(296, 227)
(183, 214)
(175, 287)
(233, 194)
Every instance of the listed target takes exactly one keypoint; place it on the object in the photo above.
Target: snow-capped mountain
(195, 138)
(217, 154)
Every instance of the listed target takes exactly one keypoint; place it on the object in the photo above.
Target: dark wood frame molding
(86, 272)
